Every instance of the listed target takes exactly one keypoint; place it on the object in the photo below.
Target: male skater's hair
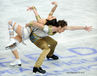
(62, 23)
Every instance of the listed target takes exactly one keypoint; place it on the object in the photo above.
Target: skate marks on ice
(80, 61)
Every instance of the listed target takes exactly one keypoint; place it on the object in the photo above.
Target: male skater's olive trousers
(47, 44)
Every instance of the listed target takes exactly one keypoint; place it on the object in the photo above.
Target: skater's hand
(88, 28)
(30, 8)
(54, 3)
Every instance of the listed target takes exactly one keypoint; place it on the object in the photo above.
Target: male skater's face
(61, 29)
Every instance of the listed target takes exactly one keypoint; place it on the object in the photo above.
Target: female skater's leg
(12, 26)
(15, 27)
(15, 51)
(14, 41)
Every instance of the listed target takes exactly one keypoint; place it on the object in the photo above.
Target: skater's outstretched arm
(35, 12)
(87, 28)
(48, 29)
(53, 9)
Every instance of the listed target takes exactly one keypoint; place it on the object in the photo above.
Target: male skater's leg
(42, 44)
(52, 45)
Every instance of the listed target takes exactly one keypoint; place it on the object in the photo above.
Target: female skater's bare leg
(14, 41)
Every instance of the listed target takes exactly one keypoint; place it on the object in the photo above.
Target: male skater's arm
(86, 28)
(48, 29)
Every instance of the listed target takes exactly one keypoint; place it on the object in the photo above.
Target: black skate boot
(40, 70)
(54, 57)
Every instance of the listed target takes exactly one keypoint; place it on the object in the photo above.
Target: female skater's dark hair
(56, 23)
